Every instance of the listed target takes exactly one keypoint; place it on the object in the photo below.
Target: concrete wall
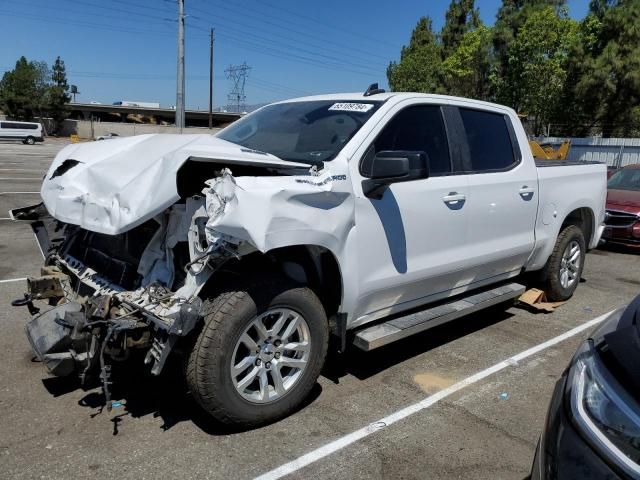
(84, 129)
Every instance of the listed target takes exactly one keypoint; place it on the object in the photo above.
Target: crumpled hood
(112, 186)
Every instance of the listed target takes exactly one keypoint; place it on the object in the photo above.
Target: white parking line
(20, 178)
(16, 193)
(374, 427)
(9, 280)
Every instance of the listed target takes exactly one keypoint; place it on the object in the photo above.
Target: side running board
(402, 327)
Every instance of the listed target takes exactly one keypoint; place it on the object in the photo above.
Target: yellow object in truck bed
(545, 151)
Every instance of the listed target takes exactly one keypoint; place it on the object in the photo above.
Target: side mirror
(391, 166)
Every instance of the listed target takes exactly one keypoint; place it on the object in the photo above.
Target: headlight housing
(604, 411)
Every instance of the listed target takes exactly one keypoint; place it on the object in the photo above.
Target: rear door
(502, 197)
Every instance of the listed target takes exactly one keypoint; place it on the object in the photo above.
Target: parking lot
(355, 425)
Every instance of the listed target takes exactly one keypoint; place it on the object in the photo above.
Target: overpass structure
(160, 116)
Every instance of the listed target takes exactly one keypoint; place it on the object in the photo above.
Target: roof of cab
(360, 97)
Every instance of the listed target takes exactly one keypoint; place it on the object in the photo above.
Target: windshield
(307, 132)
(625, 179)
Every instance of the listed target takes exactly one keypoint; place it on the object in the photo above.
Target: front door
(412, 243)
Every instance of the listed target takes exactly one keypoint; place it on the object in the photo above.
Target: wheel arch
(314, 266)
(584, 219)
(546, 236)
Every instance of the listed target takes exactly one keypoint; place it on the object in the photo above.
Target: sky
(126, 50)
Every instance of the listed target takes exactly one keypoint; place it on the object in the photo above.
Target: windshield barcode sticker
(352, 107)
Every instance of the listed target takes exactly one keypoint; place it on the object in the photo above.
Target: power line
(81, 24)
(287, 44)
(286, 26)
(358, 35)
(241, 42)
(117, 9)
(344, 50)
(293, 57)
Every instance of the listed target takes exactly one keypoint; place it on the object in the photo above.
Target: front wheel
(563, 270)
(259, 354)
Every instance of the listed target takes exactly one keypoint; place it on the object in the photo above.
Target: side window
(418, 128)
(489, 140)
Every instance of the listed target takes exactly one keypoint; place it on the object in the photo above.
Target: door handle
(526, 192)
(453, 198)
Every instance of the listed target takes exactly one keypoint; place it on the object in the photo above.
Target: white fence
(615, 152)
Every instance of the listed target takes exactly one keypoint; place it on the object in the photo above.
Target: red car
(622, 218)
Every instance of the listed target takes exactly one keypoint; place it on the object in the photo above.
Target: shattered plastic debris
(378, 425)
(116, 404)
(504, 396)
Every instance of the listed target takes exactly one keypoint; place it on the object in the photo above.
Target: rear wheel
(29, 140)
(563, 270)
(259, 354)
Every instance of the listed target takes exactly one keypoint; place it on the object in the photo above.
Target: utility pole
(211, 80)
(180, 76)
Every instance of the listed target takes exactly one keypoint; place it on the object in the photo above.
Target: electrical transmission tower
(236, 99)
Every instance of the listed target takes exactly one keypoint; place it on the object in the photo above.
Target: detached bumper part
(50, 336)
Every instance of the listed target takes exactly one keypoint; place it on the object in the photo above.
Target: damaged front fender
(273, 212)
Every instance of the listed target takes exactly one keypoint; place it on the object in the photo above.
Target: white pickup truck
(361, 218)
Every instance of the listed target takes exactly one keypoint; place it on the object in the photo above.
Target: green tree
(419, 67)
(606, 71)
(511, 16)
(537, 65)
(466, 72)
(21, 89)
(461, 18)
(58, 92)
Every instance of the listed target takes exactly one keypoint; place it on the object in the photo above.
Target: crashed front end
(111, 294)
(115, 288)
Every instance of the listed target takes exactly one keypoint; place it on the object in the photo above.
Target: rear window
(489, 140)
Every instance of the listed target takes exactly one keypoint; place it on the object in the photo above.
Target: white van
(28, 132)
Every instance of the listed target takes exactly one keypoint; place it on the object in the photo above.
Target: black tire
(225, 319)
(29, 140)
(551, 283)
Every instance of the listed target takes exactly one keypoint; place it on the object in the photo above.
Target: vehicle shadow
(136, 393)
(363, 365)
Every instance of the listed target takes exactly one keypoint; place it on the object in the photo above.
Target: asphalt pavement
(487, 429)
